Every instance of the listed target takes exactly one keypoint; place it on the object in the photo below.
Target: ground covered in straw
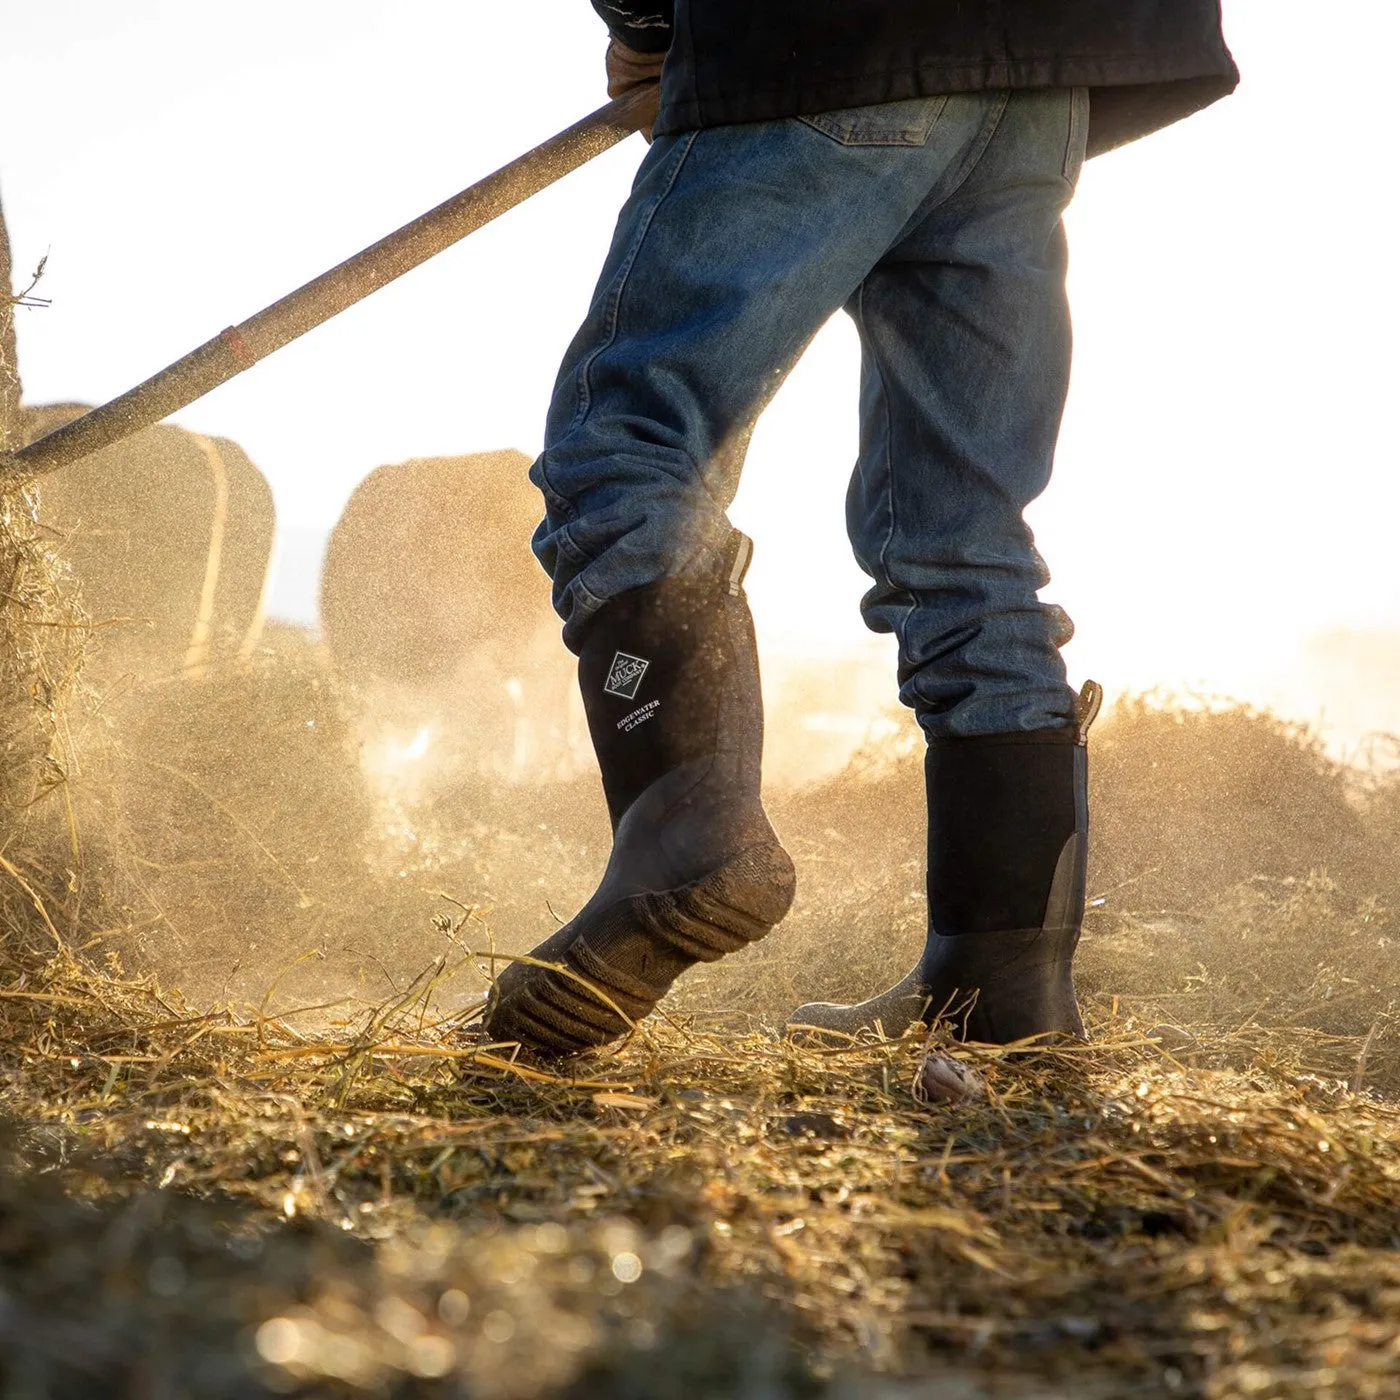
(298, 1176)
(210, 1208)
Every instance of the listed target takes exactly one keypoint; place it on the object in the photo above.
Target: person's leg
(966, 347)
(965, 337)
(736, 245)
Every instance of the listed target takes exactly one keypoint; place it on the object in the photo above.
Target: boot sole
(551, 1012)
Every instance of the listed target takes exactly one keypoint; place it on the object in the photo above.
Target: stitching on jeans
(585, 597)
(975, 152)
(553, 501)
(977, 149)
(883, 554)
(1078, 110)
(614, 302)
(910, 135)
(566, 545)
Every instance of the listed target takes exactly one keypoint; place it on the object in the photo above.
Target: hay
(1109, 1219)
(1189, 800)
(42, 625)
(231, 1194)
(43, 637)
(230, 820)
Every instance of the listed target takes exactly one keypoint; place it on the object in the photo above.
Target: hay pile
(44, 633)
(234, 821)
(312, 1182)
(696, 1215)
(1191, 800)
(1237, 876)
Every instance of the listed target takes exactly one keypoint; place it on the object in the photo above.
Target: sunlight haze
(1226, 491)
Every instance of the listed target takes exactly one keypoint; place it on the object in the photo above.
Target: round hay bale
(170, 535)
(434, 606)
(43, 637)
(429, 561)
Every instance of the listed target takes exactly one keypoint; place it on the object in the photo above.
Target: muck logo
(625, 675)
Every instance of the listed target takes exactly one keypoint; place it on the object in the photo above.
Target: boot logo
(625, 675)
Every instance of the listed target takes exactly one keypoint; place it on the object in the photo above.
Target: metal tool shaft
(235, 349)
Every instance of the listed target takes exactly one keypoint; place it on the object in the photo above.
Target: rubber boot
(669, 676)
(1007, 845)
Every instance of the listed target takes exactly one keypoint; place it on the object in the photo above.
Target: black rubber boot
(1007, 844)
(669, 676)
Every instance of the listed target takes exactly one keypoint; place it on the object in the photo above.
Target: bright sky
(1227, 483)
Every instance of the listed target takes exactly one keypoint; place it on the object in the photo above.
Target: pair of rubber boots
(669, 676)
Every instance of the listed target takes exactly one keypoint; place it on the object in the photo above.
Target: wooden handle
(233, 350)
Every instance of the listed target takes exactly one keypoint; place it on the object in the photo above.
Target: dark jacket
(1145, 62)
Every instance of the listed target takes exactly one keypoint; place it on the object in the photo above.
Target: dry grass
(230, 823)
(43, 637)
(1109, 1218)
(237, 1196)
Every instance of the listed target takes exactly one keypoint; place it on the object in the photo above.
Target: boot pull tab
(740, 557)
(1086, 710)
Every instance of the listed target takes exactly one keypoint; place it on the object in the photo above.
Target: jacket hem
(1211, 73)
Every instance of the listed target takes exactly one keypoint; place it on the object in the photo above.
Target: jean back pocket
(906, 123)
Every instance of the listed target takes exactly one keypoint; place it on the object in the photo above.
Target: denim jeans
(936, 223)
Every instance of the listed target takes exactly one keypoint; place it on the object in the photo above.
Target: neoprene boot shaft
(684, 690)
(669, 677)
(1007, 852)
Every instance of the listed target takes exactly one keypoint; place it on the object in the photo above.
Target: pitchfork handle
(235, 349)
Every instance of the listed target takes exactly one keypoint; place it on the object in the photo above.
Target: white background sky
(1227, 483)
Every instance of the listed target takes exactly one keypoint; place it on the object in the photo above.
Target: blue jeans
(936, 223)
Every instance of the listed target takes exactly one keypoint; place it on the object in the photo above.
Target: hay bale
(433, 605)
(171, 534)
(429, 561)
(10, 387)
(43, 635)
(43, 643)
